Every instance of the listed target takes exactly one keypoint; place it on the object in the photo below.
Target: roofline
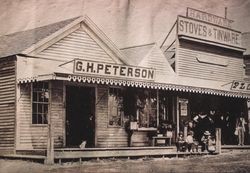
(153, 43)
(248, 32)
(85, 19)
(9, 56)
(46, 39)
(105, 39)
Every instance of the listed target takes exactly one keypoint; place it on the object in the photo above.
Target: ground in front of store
(233, 161)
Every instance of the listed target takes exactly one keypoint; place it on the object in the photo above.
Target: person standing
(180, 142)
(240, 127)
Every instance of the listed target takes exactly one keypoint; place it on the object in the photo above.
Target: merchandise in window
(40, 103)
(146, 108)
(115, 107)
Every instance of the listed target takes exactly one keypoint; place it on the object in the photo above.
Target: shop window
(40, 102)
(146, 108)
(115, 107)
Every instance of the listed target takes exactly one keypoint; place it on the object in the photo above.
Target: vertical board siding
(189, 66)
(107, 136)
(76, 45)
(7, 103)
(34, 136)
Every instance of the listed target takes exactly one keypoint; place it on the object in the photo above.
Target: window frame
(122, 114)
(42, 103)
(148, 128)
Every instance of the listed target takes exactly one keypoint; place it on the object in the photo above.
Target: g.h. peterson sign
(113, 70)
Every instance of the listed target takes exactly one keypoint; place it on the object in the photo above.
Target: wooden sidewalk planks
(123, 152)
(15, 156)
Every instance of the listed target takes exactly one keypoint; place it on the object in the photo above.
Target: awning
(42, 70)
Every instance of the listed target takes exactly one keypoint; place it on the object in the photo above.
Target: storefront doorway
(80, 111)
(218, 112)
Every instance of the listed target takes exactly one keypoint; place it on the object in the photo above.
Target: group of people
(201, 131)
(190, 144)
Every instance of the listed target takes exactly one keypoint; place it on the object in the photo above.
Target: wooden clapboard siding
(7, 103)
(107, 136)
(78, 44)
(33, 136)
(188, 65)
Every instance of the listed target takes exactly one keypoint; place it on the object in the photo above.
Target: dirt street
(233, 162)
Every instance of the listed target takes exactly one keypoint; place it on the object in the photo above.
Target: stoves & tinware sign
(208, 32)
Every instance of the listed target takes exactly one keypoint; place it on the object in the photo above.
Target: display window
(115, 107)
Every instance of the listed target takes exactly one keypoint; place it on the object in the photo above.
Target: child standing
(190, 142)
(204, 140)
(180, 142)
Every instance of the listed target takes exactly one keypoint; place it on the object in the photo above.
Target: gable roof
(135, 54)
(28, 42)
(17, 42)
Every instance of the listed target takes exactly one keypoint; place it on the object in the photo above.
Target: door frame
(79, 84)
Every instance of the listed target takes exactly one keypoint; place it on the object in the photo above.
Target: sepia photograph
(124, 86)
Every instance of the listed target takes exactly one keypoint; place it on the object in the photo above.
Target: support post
(158, 107)
(185, 132)
(218, 140)
(177, 115)
(50, 146)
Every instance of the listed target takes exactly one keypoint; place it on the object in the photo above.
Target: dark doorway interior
(80, 111)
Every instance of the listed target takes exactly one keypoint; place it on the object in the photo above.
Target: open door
(80, 111)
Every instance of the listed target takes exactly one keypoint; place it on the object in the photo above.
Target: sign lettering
(200, 30)
(207, 17)
(240, 86)
(113, 70)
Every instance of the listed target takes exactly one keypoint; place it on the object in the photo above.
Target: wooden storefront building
(70, 77)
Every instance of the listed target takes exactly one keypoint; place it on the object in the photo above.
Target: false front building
(69, 81)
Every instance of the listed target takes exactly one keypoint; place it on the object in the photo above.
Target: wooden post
(185, 132)
(158, 107)
(177, 115)
(218, 140)
(50, 147)
(50, 137)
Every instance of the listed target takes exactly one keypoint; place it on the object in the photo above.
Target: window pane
(44, 117)
(40, 108)
(39, 119)
(35, 96)
(40, 97)
(34, 108)
(45, 108)
(35, 85)
(34, 118)
(46, 86)
(40, 85)
(46, 96)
